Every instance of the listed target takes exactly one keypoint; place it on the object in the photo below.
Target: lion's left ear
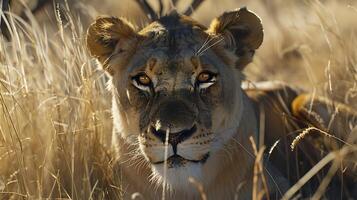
(242, 31)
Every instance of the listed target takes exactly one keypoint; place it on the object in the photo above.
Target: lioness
(177, 84)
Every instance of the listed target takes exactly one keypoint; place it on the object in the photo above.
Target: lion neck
(228, 169)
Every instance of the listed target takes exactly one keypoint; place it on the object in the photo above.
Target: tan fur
(266, 112)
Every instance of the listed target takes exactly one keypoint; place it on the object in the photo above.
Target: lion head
(177, 82)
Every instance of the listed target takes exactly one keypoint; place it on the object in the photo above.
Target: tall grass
(55, 120)
(55, 114)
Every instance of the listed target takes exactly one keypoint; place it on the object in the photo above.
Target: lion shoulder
(271, 97)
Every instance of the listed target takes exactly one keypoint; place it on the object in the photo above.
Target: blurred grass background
(55, 121)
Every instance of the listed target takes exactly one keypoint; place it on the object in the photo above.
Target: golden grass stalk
(257, 192)
(307, 131)
(199, 187)
(165, 164)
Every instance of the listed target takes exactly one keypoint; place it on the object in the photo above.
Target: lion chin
(176, 172)
(177, 177)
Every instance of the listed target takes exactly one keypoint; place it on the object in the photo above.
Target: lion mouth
(179, 161)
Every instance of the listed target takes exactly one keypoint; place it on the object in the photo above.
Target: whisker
(215, 43)
(206, 42)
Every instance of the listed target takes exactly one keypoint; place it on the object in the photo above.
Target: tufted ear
(242, 32)
(109, 36)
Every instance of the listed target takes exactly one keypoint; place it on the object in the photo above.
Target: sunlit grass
(55, 119)
(55, 115)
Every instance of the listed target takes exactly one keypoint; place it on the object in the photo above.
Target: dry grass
(55, 120)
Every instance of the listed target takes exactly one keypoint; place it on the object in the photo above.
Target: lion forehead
(173, 33)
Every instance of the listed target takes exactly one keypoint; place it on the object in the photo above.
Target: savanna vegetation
(55, 115)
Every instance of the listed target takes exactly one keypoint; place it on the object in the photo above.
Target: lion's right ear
(109, 36)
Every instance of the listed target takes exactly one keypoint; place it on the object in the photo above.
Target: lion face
(176, 86)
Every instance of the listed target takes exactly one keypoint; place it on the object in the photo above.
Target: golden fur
(220, 116)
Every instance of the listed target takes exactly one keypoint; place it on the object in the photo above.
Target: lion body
(183, 120)
(282, 107)
(234, 169)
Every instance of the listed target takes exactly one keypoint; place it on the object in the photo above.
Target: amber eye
(205, 77)
(142, 79)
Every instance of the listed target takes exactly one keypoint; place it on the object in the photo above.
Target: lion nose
(174, 138)
(175, 115)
